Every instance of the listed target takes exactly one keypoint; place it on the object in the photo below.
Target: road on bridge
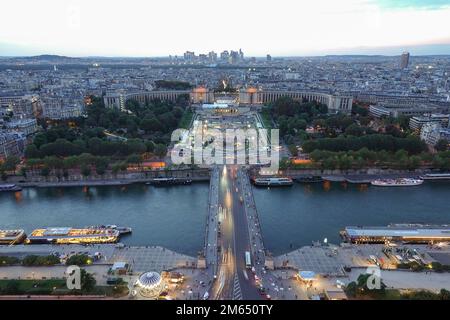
(236, 281)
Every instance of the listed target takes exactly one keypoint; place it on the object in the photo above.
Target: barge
(401, 233)
(401, 182)
(68, 235)
(273, 182)
(436, 176)
(169, 182)
(9, 188)
(9, 237)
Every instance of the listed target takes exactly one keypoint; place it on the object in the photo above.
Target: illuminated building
(73, 236)
(150, 285)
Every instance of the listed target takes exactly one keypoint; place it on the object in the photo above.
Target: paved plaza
(152, 258)
(322, 260)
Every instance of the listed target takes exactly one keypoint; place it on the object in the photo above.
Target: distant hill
(50, 57)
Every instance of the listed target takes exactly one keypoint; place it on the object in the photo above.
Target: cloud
(414, 4)
(163, 27)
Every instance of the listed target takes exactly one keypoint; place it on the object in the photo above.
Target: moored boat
(309, 179)
(9, 237)
(402, 233)
(401, 182)
(122, 230)
(9, 188)
(273, 182)
(73, 236)
(436, 176)
(169, 181)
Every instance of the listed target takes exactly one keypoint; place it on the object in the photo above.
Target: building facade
(247, 96)
(11, 144)
(118, 100)
(417, 122)
(26, 126)
(21, 105)
(431, 133)
(58, 108)
(389, 111)
(404, 60)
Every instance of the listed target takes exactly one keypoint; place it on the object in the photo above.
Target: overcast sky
(278, 27)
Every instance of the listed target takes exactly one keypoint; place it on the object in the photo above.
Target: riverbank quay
(135, 260)
(359, 172)
(362, 176)
(139, 258)
(332, 267)
(107, 179)
(334, 260)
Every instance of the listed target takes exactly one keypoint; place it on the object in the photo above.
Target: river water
(296, 216)
(175, 217)
(172, 217)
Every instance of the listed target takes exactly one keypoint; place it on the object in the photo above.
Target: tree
(150, 125)
(135, 146)
(32, 152)
(7, 261)
(101, 164)
(116, 168)
(172, 85)
(444, 294)
(352, 289)
(33, 260)
(150, 145)
(23, 171)
(45, 172)
(60, 148)
(393, 130)
(40, 139)
(441, 145)
(78, 260)
(85, 170)
(134, 159)
(293, 150)
(354, 130)
(160, 150)
(11, 163)
(88, 281)
(360, 110)
(284, 106)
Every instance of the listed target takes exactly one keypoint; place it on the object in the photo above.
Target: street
(236, 281)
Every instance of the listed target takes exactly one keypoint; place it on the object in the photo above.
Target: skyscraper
(224, 56)
(404, 60)
(212, 57)
(234, 57)
(241, 55)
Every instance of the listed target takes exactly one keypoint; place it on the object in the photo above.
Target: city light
(287, 150)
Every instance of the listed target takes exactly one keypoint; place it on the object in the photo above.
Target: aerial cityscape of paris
(247, 152)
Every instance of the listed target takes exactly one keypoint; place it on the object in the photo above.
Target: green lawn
(46, 287)
(389, 294)
(267, 120)
(186, 119)
(28, 286)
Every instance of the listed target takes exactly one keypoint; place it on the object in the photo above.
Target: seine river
(175, 217)
(172, 217)
(296, 216)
